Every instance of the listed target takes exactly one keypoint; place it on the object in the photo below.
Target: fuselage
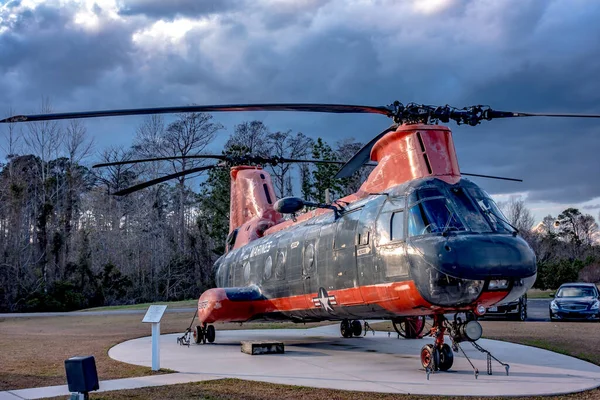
(418, 248)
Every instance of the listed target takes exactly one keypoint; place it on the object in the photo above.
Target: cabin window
(280, 266)
(268, 268)
(309, 258)
(247, 272)
(363, 238)
(397, 226)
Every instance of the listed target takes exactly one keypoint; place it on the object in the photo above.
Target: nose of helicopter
(456, 269)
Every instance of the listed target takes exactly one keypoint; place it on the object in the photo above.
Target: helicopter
(417, 240)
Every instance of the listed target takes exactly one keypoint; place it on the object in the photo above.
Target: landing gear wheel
(198, 334)
(346, 329)
(356, 327)
(409, 327)
(446, 358)
(210, 333)
(430, 357)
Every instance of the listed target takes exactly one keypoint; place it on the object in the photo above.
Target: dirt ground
(33, 350)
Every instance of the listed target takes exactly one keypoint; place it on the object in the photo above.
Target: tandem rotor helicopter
(417, 239)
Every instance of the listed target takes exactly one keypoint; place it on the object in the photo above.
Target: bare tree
(44, 139)
(518, 214)
(13, 138)
(286, 145)
(251, 135)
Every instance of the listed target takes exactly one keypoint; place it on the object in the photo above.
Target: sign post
(153, 316)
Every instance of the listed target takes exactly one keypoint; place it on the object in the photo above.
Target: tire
(198, 334)
(356, 327)
(346, 329)
(409, 327)
(430, 357)
(521, 314)
(210, 333)
(446, 358)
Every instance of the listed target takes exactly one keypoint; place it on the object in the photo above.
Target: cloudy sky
(513, 55)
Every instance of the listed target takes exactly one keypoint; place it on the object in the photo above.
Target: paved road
(537, 309)
(88, 313)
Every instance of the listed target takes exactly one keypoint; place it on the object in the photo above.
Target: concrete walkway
(105, 386)
(319, 357)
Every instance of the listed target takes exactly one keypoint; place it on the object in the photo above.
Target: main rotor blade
(492, 177)
(142, 160)
(233, 159)
(362, 156)
(510, 114)
(308, 107)
(165, 178)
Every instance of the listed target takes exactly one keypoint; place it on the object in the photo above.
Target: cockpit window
(491, 210)
(433, 215)
(469, 212)
(424, 193)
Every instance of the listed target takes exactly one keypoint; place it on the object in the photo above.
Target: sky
(514, 55)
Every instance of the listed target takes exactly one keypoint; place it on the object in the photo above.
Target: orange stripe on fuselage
(399, 298)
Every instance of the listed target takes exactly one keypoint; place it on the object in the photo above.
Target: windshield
(470, 214)
(491, 210)
(433, 215)
(576, 291)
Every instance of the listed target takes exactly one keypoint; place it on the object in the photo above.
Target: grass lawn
(142, 306)
(42, 344)
(33, 350)
(539, 294)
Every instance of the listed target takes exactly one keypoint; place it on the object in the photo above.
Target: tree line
(67, 243)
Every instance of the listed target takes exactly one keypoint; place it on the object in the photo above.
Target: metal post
(155, 346)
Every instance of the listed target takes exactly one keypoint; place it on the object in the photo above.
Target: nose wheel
(437, 356)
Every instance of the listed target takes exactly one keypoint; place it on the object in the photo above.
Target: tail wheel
(198, 334)
(210, 333)
(430, 357)
(346, 329)
(446, 358)
(356, 327)
(409, 327)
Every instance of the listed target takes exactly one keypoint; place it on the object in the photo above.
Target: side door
(345, 274)
(366, 235)
(392, 241)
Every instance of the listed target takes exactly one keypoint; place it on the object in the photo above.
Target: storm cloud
(512, 55)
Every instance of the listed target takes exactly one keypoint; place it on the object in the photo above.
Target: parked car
(516, 310)
(575, 301)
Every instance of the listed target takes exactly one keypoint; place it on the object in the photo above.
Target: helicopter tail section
(251, 204)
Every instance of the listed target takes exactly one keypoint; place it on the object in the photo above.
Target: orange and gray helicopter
(417, 239)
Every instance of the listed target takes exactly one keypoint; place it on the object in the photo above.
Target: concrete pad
(319, 357)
